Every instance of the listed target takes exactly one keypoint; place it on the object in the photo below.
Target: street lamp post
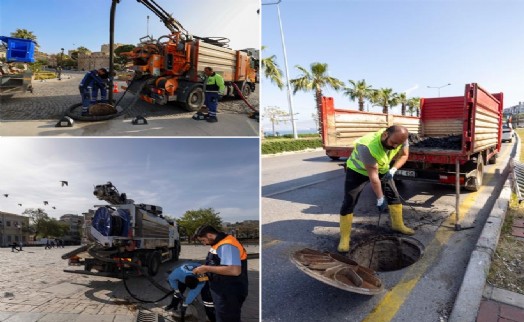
(439, 87)
(288, 87)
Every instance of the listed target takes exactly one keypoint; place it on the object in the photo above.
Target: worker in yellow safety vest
(370, 161)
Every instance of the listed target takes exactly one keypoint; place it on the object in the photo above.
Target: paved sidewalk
(477, 301)
(500, 305)
(33, 287)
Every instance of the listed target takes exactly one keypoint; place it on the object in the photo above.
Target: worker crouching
(370, 161)
(182, 278)
(92, 82)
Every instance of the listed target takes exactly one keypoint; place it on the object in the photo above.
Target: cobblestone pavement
(33, 287)
(51, 98)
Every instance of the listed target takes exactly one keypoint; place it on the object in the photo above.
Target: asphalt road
(301, 198)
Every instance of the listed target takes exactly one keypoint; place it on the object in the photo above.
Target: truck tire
(334, 158)
(244, 88)
(476, 183)
(195, 99)
(153, 263)
(493, 159)
(175, 252)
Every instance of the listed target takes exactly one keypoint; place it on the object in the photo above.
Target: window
(8, 238)
(8, 223)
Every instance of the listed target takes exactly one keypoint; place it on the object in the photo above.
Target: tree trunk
(403, 109)
(318, 96)
(384, 109)
(361, 104)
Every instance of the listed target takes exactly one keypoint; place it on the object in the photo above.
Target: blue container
(19, 50)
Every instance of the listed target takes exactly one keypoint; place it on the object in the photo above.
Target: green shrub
(45, 75)
(283, 145)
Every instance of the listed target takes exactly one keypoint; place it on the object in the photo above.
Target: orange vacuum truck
(170, 68)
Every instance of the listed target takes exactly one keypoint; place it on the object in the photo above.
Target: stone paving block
(97, 318)
(4, 315)
(511, 312)
(124, 318)
(488, 311)
(64, 289)
(58, 317)
(517, 232)
(518, 223)
(23, 317)
(93, 308)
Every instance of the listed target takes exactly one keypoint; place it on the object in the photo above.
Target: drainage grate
(518, 178)
(146, 317)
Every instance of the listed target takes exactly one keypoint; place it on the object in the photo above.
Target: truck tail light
(449, 179)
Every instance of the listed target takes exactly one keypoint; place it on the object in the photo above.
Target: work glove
(381, 204)
(389, 175)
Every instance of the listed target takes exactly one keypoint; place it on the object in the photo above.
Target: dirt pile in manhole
(450, 142)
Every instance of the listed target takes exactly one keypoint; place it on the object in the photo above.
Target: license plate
(406, 173)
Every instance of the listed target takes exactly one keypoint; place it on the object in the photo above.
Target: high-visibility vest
(381, 155)
(215, 83)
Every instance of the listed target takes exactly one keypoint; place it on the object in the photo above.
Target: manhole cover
(387, 253)
(338, 271)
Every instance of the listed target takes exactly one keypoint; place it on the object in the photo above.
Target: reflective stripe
(373, 143)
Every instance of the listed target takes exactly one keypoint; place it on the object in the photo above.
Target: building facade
(13, 228)
(75, 223)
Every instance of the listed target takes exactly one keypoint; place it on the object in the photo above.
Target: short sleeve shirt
(229, 255)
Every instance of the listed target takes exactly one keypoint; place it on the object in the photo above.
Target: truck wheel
(333, 157)
(245, 89)
(153, 263)
(476, 182)
(194, 99)
(175, 252)
(493, 159)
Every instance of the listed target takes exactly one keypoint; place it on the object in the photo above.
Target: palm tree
(360, 90)
(403, 100)
(314, 80)
(272, 71)
(413, 105)
(25, 34)
(386, 98)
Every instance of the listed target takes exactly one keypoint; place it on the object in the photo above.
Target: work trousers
(211, 102)
(228, 304)
(353, 186)
(90, 94)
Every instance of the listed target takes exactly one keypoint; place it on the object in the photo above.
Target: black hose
(94, 118)
(93, 253)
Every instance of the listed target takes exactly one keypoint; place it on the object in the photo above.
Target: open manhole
(387, 253)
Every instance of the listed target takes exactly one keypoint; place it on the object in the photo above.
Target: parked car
(507, 133)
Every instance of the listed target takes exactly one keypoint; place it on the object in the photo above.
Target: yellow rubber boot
(345, 233)
(397, 222)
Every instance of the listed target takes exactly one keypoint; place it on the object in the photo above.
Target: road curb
(467, 303)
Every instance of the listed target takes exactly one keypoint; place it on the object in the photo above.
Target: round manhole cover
(387, 253)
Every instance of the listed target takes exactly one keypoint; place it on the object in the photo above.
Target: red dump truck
(475, 119)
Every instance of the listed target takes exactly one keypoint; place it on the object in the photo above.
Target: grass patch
(44, 75)
(286, 145)
(507, 268)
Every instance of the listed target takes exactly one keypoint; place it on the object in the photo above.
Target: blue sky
(176, 174)
(404, 45)
(72, 23)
